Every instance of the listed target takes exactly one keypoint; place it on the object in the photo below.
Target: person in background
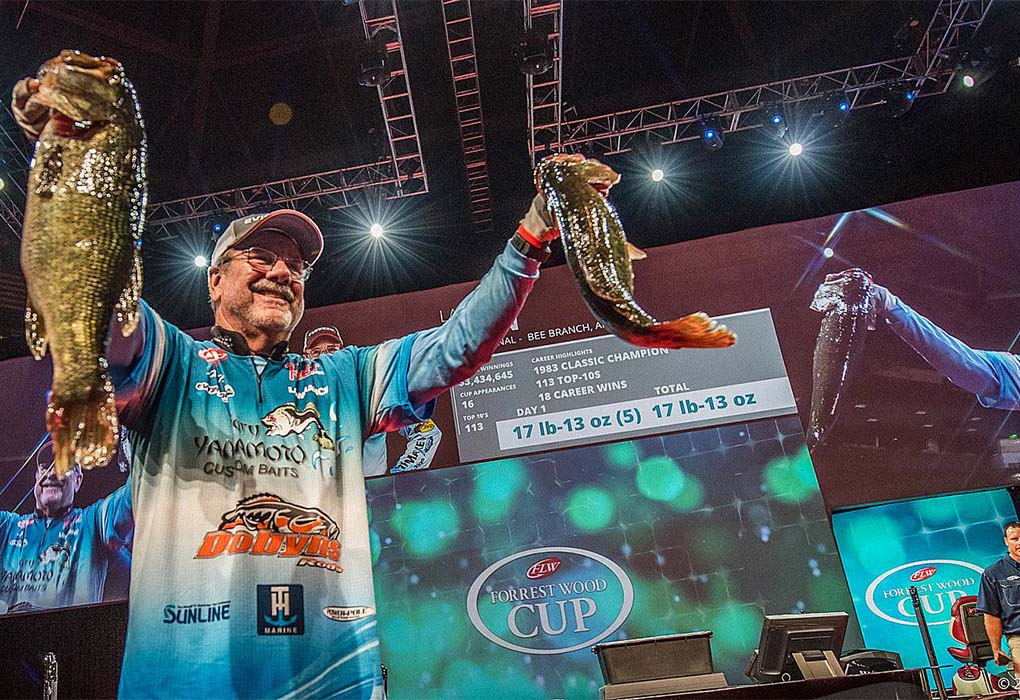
(59, 555)
(999, 600)
(423, 438)
(992, 376)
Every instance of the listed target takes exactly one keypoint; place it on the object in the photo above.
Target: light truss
(381, 23)
(401, 175)
(460, 48)
(15, 156)
(545, 92)
(328, 190)
(929, 71)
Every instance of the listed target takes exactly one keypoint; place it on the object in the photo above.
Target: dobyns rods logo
(267, 525)
(939, 582)
(551, 600)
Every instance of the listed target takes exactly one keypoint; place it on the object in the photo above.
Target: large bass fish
(80, 248)
(849, 310)
(599, 256)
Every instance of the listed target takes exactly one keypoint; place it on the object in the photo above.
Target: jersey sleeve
(135, 384)
(444, 356)
(994, 377)
(382, 381)
(116, 520)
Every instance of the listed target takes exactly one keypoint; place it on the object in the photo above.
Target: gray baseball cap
(293, 224)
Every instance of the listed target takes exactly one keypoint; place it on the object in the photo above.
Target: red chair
(968, 628)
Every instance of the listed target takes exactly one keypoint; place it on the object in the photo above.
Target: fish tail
(127, 305)
(84, 430)
(694, 331)
(35, 331)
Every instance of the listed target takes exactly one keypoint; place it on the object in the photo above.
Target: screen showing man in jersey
(58, 555)
(422, 438)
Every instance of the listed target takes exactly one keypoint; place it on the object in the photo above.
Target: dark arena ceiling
(208, 74)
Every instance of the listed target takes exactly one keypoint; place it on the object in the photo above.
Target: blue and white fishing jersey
(992, 376)
(55, 562)
(252, 573)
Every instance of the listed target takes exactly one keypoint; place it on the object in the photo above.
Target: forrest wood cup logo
(551, 600)
(939, 582)
(267, 525)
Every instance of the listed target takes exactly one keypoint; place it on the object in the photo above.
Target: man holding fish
(992, 376)
(247, 484)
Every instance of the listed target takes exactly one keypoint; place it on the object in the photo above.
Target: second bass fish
(597, 252)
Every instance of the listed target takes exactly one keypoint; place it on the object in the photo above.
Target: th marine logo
(281, 610)
(267, 525)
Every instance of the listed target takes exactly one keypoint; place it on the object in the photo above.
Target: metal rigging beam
(545, 92)
(929, 70)
(460, 48)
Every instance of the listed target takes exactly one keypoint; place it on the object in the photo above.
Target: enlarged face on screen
(54, 496)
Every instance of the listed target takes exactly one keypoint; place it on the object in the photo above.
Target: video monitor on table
(793, 647)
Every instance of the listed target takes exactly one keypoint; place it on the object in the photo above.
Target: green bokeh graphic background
(714, 528)
(965, 527)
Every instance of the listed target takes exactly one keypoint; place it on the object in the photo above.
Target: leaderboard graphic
(599, 389)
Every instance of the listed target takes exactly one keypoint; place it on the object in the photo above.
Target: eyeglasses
(262, 260)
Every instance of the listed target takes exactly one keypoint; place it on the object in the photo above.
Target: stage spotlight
(828, 252)
(373, 68)
(711, 133)
(976, 67)
(836, 109)
(900, 98)
(376, 231)
(657, 175)
(534, 53)
(796, 149)
(3, 184)
(774, 121)
(200, 261)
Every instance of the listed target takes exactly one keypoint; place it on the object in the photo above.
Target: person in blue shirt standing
(59, 555)
(422, 438)
(999, 599)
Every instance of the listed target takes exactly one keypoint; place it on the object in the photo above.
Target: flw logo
(922, 574)
(267, 525)
(542, 568)
(212, 355)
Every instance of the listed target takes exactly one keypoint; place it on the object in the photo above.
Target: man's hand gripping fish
(599, 255)
(80, 249)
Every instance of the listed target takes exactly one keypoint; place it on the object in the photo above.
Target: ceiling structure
(441, 154)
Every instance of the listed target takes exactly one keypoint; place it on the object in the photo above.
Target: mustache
(268, 286)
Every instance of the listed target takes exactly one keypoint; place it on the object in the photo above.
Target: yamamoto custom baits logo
(267, 525)
(583, 598)
(940, 582)
(281, 610)
(288, 420)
